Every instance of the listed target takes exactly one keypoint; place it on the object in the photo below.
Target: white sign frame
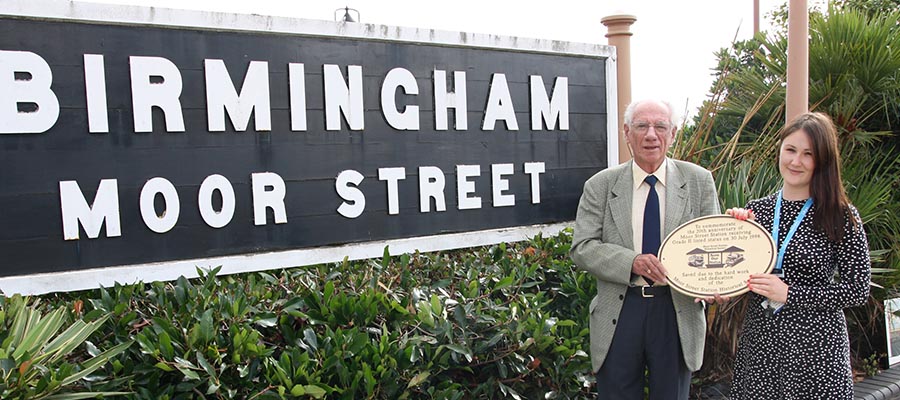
(162, 17)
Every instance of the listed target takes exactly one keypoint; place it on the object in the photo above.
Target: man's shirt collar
(639, 174)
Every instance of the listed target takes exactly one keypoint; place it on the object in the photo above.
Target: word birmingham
(268, 192)
(25, 78)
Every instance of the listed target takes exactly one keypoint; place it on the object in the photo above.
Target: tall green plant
(854, 77)
(854, 67)
(37, 361)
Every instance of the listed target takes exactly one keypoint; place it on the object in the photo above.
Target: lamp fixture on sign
(346, 17)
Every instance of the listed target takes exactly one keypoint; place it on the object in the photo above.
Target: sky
(672, 47)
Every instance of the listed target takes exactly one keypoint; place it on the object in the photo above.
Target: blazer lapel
(676, 198)
(620, 205)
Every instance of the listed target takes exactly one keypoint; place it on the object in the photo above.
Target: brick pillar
(797, 98)
(619, 35)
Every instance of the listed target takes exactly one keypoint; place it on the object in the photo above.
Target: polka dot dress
(803, 352)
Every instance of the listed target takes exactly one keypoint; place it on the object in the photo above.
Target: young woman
(794, 343)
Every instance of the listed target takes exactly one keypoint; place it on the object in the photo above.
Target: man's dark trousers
(646, 337)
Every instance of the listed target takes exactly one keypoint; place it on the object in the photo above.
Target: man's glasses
(659, 127)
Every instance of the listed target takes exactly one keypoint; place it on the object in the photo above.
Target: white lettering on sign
(445, 100)
(32, 91)
(253, 98)
(431, 186)
(535, 169)
(500, 185)
(29, 104)
(159, 223)
(354, 200)
(268, 192)
(465, 187)
(342, 98)
(210, 185)
(297, 88)
(407, 120)
(392, 176)
(499, 105)
(104, 209)
(95, 92)
(547, 110)
(155, 82)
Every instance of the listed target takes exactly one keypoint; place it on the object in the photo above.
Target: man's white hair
(629, 111)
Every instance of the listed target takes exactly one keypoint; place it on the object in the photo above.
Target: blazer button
(621, 297)
(614, 322)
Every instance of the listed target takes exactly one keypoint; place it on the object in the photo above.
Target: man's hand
(648, 266)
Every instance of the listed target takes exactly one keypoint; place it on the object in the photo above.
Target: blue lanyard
(809, 202)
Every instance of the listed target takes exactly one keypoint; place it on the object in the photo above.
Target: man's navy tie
(651, 238)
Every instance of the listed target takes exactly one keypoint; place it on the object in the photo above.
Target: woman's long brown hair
(826, 187)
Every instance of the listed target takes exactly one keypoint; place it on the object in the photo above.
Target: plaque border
(732, 293)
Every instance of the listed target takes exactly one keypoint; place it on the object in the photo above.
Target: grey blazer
(602, 246)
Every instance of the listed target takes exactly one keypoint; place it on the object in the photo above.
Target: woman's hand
(769, 286)
(717, 299)
(742, 214)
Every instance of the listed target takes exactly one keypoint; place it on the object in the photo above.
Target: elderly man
(637, 324)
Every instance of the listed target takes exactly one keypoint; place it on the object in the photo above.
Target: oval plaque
(716, 254)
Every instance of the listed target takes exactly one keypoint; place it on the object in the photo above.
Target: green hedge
(506, 321)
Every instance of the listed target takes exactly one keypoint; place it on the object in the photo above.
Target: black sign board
(137, 148)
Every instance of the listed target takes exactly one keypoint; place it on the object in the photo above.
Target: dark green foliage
(506, 321)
